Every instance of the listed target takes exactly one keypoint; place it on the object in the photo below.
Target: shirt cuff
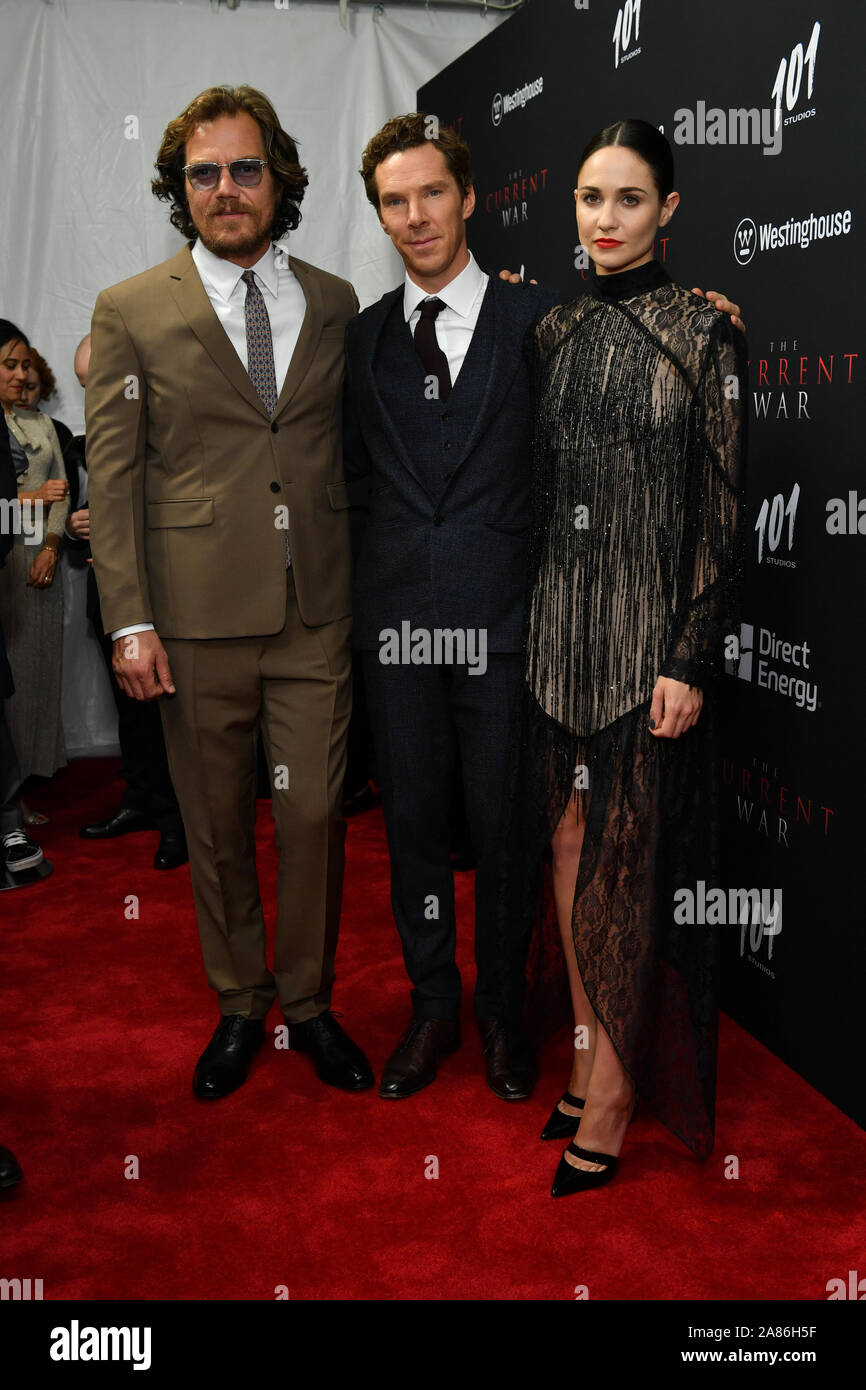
(127, 631)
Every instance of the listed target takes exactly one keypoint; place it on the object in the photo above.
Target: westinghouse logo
(745, 241)
(775, 236)
(504, 105)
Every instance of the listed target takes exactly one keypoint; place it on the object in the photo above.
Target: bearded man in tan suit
(221, 548)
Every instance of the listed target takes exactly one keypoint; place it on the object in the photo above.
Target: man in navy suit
(437, 433)
(437, 427)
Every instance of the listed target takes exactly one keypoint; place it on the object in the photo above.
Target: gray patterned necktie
(260, 347)
(260, 355)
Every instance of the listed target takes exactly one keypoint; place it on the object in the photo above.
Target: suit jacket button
(275, 487)
(275, 429)
(437, 520)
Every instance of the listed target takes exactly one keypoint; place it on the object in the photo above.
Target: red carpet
(288, 1182)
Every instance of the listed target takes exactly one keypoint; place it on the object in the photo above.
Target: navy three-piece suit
(445, 488)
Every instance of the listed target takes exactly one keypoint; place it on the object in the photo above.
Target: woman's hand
(54, 490)
(42, 569)
(675, 707)
(724, 306)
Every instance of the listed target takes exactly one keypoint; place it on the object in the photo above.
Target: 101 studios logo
(626, 32)
(787, 87)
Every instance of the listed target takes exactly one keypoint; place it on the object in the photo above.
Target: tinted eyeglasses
(246, 173)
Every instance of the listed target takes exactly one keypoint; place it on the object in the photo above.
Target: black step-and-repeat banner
(764, 106)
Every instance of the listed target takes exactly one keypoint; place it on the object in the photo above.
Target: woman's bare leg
(596, 1072)
(566, 845)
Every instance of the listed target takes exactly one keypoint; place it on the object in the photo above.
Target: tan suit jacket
(187, 471)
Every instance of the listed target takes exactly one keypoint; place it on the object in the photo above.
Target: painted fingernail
(652, 723)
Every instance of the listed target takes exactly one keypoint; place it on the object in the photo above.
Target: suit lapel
(308, 339)
(190, 296)
(490, 363)
(376, 322)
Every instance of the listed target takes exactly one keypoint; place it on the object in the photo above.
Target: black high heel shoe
(569, 1179)
(560, 1125)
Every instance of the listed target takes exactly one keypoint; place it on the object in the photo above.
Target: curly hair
(280, 149)
(408, 133)
(47, 382)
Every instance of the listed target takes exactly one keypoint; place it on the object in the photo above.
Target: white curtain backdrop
(88, 87)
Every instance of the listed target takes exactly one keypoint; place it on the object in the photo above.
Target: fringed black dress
(639, 391)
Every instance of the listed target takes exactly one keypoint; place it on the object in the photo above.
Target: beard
(235, 238)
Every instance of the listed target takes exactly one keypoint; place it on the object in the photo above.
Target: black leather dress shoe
(172, 851)
(415, 1061)
(360, 801)
(224, 1064)
(10, 1173)
(123, 822)
(336, 1059)
(511, 1069)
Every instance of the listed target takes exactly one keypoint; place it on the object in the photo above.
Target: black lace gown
(634, 560)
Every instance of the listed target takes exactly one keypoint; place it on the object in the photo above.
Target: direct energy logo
(772, 653)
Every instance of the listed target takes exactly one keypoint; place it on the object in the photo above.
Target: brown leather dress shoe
(414, 1063)
(511, 1069)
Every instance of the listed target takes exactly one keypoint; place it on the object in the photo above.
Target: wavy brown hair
(47, 381)
(280, 150)
(408, 133)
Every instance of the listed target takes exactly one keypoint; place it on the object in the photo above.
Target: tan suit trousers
(297, 683)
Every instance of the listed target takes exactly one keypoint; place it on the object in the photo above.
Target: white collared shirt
(281, 291)
(226, 290)
(454, 324)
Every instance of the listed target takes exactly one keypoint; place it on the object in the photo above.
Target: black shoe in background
(19, 852)
(125, 821)
(10, 1172)
(172, 851)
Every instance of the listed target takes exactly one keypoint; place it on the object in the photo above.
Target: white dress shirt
(226, 290)
(454, 324)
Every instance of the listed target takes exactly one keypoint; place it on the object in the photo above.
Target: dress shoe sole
(218, 1095)
(117, 834)
(511, 1095)
(404, 1095)
(347, 1086)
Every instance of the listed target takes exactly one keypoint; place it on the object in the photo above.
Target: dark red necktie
(433, 358)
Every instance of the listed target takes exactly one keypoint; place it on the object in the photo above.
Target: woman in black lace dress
(639, 389)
